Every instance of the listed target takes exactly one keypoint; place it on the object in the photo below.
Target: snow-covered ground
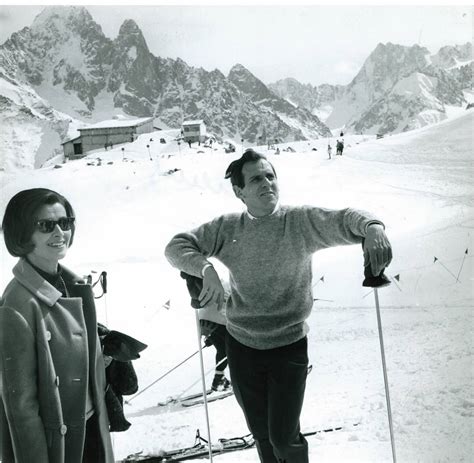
(419, 183)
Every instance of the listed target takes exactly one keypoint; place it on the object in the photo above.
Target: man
(268, 251)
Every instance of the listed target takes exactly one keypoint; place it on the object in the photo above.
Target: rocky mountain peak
(453, 55)
(246, 82)
(240, 73)
(131, 35)
(392, 61)
(63, 20)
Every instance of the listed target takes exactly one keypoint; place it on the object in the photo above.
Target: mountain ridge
(65, 63)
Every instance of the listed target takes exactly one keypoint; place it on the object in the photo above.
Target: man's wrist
(206, 266)
(374, 223)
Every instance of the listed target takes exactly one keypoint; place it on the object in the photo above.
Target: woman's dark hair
(234, 171)
(20, 216)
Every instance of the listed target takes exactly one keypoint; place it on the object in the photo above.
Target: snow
(193, 122)
(459, 64)
(118, 122)
(419, 183)
(132, 53)
(417, 84)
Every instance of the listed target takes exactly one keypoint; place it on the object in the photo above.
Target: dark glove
(194, 285)
(122, 347)
(371, 280)
(122, 377)
(103, 331)
(117, 420)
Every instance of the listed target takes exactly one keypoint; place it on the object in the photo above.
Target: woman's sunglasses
(48, 225)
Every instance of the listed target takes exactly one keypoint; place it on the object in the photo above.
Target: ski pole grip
(194, 285)
(371, 280)
(104, 281)
(374, 281)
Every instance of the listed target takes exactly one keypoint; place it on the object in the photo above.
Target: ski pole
(103, 283)
(204, 389)
(199, 379)
(376, 282)
(162, 376)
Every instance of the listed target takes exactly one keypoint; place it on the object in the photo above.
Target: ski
(201, 449)
(179, 399)
(211, 397)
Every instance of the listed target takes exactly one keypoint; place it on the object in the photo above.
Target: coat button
(48, 335)
(63, 429)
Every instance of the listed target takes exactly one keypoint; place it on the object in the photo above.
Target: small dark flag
(462, 263)
(167, 305)
(444, 266)
(322, 278)
(397, 277)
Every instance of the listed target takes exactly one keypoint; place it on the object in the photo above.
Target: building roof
(195, 122)
(117, 123)
(70, 140)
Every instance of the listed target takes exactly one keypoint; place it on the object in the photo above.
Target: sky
(312, 43)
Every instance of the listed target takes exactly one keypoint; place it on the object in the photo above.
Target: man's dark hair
(20, 217)
(234, 171)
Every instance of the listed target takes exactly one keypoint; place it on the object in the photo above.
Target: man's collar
(251, 217)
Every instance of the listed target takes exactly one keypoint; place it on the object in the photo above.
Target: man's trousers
(269, 386)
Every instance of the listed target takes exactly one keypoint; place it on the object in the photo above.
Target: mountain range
(63, 72)
(398, 88)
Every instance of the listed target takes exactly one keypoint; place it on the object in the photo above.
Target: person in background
(212, 321)
(268, 251)
(213, 325)
(329, 150)
(52, 406)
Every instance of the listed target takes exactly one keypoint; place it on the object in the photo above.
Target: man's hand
(377, 249)
(212, 289)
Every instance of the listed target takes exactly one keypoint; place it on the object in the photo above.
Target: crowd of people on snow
(63, 374)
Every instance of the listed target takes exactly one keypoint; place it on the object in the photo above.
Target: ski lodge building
(194, 130)
(106, 134)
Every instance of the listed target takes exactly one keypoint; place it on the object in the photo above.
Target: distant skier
(329, 151)
(340, 146)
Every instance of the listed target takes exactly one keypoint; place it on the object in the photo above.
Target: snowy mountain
(317, 99)
(400, 88)
(287, 115)
(30, 127)
(65, 59)
(450, 57)
(77, 75)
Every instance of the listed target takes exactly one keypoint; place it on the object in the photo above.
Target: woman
(52, 406)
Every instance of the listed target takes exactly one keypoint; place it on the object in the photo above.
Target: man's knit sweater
(269, 261)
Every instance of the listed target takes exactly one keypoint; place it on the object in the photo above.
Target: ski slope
(419, 183)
